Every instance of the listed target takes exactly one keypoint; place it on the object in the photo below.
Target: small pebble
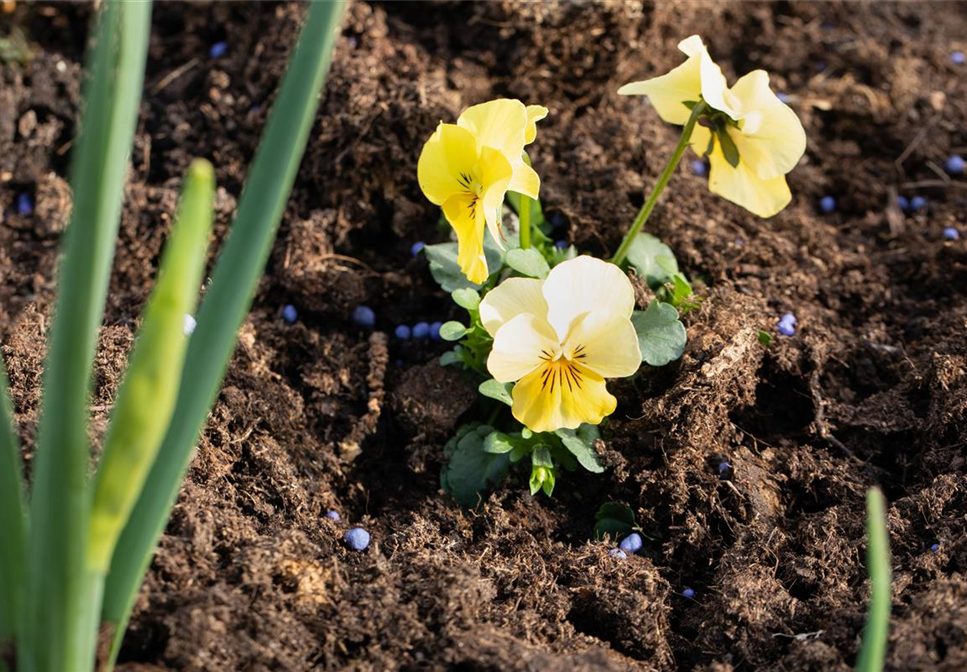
(617, 553)
(421, 330)
(364, 317)
(950, 233)
(699, 168)
(557, 220)
(820, 66)
(631, 544)
(333, 515)
(357, 539)
(739, 242)
(188, 326)
(935, 548)
(403, 332)
(955, 165)
(903, 203)
(290, 314)
(786, 327)
(827, 204)
(783, 98)
(724, 466)
(788, 317)
(25, 205)
(435, 331)
(917, 203)
(417, 247)
(689, 593)
(218, 50)
(561, 244)
(352, 42)
(958, 58)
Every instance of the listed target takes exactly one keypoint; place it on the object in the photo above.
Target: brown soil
(251, 575)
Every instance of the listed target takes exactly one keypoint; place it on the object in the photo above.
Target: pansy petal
(499, 124)
(521, 345)
(449, 153)
(547, 400)
(509, 299)
(606, 343)
(699, 140)
(744, 187)
(525, 181)
(715, 89)
(772, 139)
(776, 146)
(670, 91)
(496, 173)
(582, 285)
(465, 214)
(752, 90)
(534, 114)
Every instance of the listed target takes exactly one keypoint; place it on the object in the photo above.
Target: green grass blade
(13, 523)
(227, 301)
(147, 398)
(877, 631)
(59, 632)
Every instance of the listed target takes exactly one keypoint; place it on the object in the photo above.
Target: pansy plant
(545, 328)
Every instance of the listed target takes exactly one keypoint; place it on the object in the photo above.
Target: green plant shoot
(147, 398)
(877, 631)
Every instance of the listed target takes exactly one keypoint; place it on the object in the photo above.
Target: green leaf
(472, 471)
(613, 519)
(13, 521)
(499, 443)
(661, 335)
(652, 259)
(765, 338)
(226, 303)
(499, 391)
(729, 150)
(451, 357)
(876, 632)
(528, 262)
(59, 626)
(452, 331)
(466, 298)
(581, 446)
(520, 451)
(147, 397)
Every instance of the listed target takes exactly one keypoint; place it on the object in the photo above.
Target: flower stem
(525, 221)
(642, 217)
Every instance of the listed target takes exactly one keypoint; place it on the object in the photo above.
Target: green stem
(663, 179)
(525, 221)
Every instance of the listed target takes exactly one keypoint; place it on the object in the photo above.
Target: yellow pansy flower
(559, 339)
(751, 137)
(468, 167)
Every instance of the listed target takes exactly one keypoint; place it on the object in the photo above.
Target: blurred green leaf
(466, 298)
(528, 262)
(661, 335)
(471, 471)
(580, 444)
(499, 391)
(614, 520)
(452, 331)
(226, 303)
(652, 259)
